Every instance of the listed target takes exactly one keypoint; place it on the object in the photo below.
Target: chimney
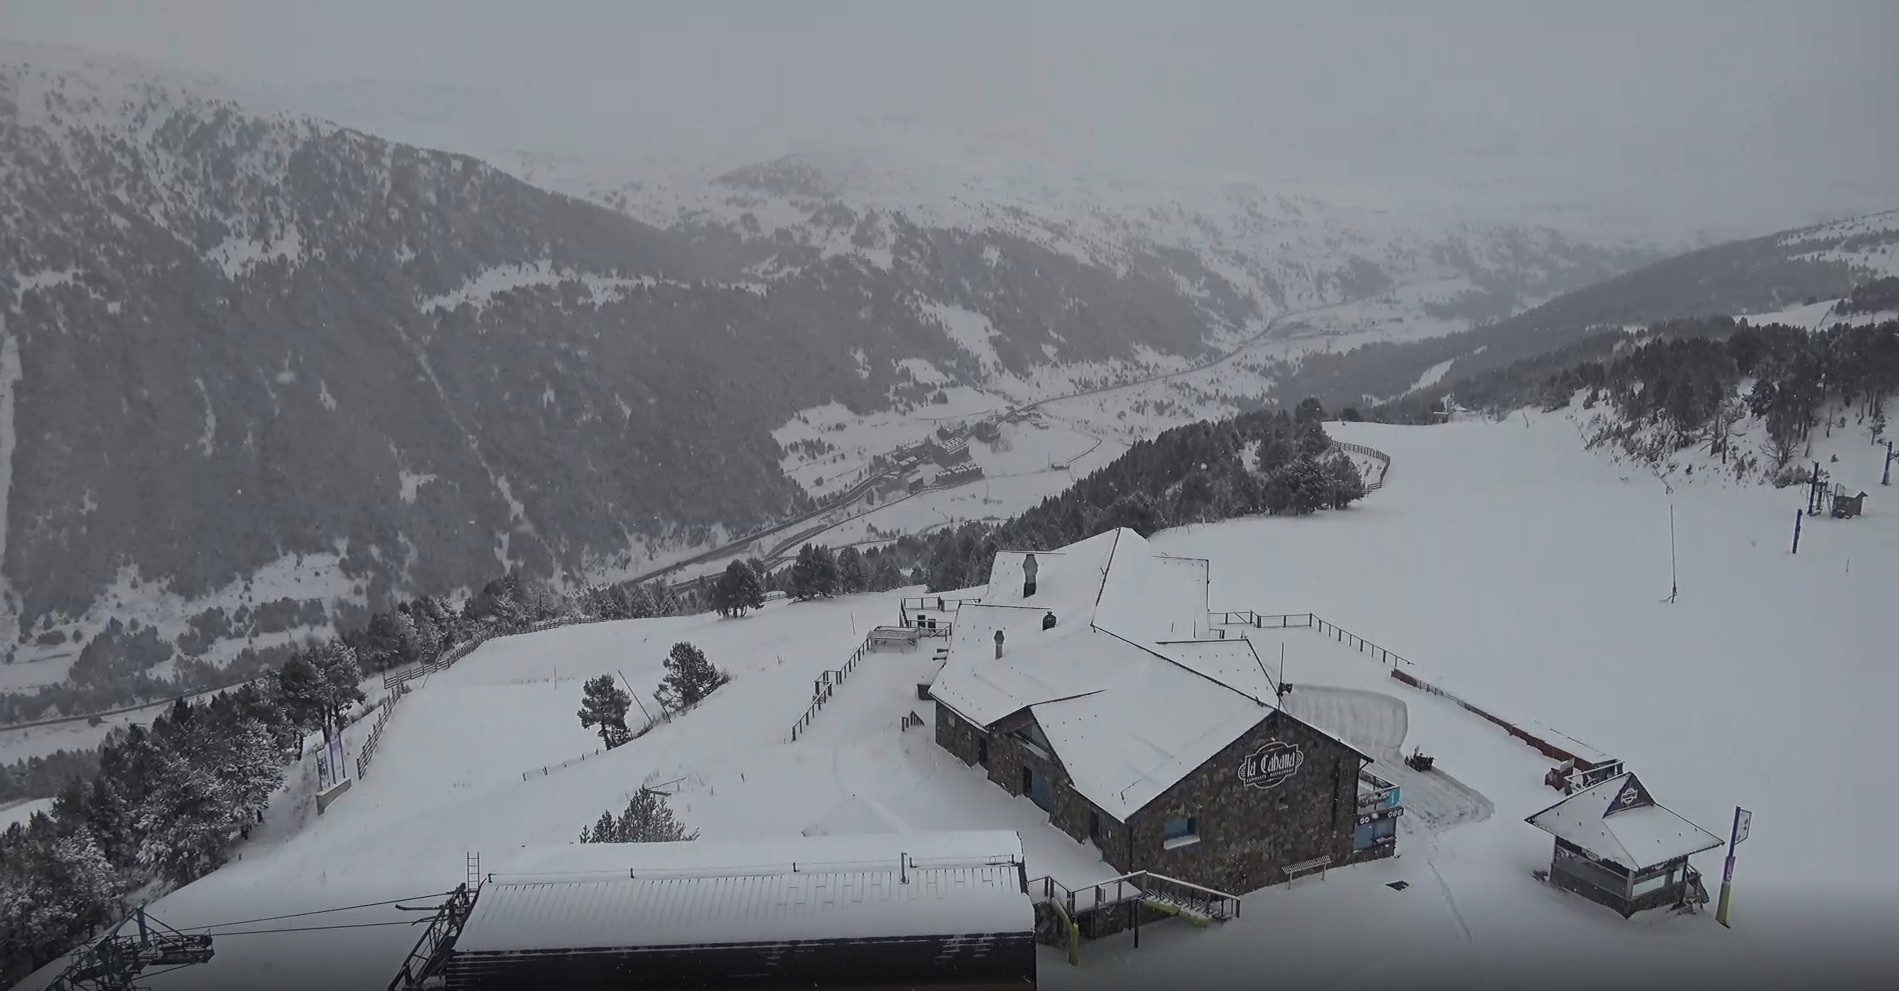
(998, 645)
(1048, 621)
(1029, 568)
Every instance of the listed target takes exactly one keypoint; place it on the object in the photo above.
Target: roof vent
(1048, 621)
(998, 645)
(1029, 568)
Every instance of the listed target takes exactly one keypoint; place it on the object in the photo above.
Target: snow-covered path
(1377, 722)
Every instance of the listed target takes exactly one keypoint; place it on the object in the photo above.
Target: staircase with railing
(827, 684)
(1090, 909)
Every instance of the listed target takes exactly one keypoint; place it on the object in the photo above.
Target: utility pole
(1743, 820)
(1674, 586)
(1797, 515)
(1886, 478)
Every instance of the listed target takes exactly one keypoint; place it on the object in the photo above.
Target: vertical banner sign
(1743, 820)
(339, 767)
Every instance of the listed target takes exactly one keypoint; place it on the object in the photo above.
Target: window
(1179, 833)
(1381, 832)
(1646, 886)
(982, 752)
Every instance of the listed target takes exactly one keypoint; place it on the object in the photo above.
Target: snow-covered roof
(1130, 702)
(1126, 744)
(798, 888)
(1617, 820)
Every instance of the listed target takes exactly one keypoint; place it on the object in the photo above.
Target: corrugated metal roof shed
(811, 897)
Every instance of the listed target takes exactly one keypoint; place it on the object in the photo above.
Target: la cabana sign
(1271, 765)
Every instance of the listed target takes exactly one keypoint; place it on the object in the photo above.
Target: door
(1039, 788)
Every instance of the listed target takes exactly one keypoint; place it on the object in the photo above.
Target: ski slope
(1510, 565)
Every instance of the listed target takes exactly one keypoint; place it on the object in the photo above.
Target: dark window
(1177, 829)
(982, 752)
(1028, 780)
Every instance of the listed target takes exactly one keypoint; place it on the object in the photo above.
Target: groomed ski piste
(1507, 564)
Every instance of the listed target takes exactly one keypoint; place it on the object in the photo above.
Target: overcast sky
(1729, 112)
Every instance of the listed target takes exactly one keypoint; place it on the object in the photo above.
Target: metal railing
(826, 685)
(1301, 620)
(1142, 886)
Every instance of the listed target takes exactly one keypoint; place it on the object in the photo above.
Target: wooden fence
(448, 657)
(368, 752)
(1302, 620)
(1383, 459)
(1586, 761)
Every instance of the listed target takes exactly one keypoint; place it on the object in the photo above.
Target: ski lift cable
(320, 911)
(306, 929)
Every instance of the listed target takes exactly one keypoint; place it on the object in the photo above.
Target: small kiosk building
(1616, 847)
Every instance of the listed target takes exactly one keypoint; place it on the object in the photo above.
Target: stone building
(1089, 680)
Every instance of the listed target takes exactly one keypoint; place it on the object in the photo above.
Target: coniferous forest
(1699, 383)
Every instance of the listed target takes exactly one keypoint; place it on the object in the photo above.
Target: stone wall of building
(1073, 814)
(1248, 835)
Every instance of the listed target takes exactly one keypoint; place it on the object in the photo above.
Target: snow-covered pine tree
(341, 676)
(253, 769)
(647, 819)
(852, 575)
(814, 573)
(604, 704)
(185, 823)
(1348, 486)
(690, 677)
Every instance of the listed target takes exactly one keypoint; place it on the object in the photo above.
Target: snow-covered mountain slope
(1455, 563)
(1239, 250)
(258, 368)
(1761, 278)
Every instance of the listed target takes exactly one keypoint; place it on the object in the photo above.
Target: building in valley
(1090, 680)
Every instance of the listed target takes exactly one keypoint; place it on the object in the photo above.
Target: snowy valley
(1507, 565)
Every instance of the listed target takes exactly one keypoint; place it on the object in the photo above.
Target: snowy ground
(1513, 567)
(22, 811)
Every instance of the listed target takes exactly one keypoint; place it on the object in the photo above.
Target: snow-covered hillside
(1416, 266)
(1505, 562)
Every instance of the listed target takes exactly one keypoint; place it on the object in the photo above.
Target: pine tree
(604, 704)
(737, 589)
(185, 823)
(1347, 485)
(251, 767)
(690, 677)
(852, 575)
(814, 573)
(647, 819)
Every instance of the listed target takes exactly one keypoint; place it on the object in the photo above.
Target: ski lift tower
(116, 961)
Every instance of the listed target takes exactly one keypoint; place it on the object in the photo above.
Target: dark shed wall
(1248, 835)
(995, 960)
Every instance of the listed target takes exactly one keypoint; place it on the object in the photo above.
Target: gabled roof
(1617, 820)
(1126, 744)
(1129, 701)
